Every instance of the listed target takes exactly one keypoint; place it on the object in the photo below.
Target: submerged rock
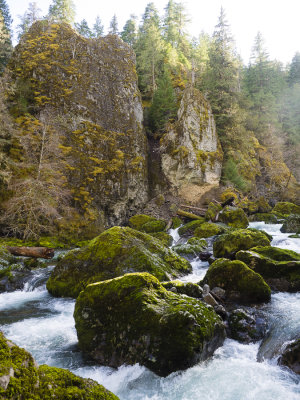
(21, 379)
(240, 283)
(134, 319)
(231, 242)
(279, 267)
(115, 252)
(291, 356)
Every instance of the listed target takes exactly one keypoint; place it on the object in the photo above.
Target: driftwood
(194, 208)
(35, 252)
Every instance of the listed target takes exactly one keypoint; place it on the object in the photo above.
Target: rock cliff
(191, 153)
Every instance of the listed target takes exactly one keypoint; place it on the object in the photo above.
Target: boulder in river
(245, 326)
(21, 378)
(242, 285)
(291, 224)
(291, 356)
(208, 229)
(133, 319)
(234, 217)
(231, 242)
(279, 267)
(115, 252)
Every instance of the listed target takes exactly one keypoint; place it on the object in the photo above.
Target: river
(44, 325)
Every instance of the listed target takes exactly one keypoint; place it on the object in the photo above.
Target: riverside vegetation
(106, 143)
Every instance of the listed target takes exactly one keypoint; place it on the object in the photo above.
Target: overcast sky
(278, 21)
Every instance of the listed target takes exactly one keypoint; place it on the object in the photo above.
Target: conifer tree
(62, 11)
(83, 29)
(5, 44)
(129, 33)
(163, 107)
(294, 71)
(6, 14)
(98, 27)
(31, 15)
(113, 26)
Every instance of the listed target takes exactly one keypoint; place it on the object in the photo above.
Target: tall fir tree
(62, 11)
(129, 33)
(6, 15)
(294, 70)
(31, 15)
(5, 44)
(113, 26)
(83, 29)
(98, 28)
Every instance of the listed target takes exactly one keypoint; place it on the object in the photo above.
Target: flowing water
(44, 325)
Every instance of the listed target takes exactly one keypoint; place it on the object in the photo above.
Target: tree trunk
(35, 252)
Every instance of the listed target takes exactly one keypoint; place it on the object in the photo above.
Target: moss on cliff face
(113, 253)
(135, 319)
(21, 378)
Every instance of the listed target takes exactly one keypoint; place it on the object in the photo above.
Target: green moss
(137, 221)
(113, 253)
(187, 288)
(280, 268)
(286, 208)
(234, 217)
(212, 211)
(266, 217)
(133, 318)
(228, 194)
(176, 222)
(191, 248)
(208, 229)
(164, 237)
(239, 281)
(229, 243)
(153, 226)
(291, 224)
(25, 380)
(189, 228)
(189, 215)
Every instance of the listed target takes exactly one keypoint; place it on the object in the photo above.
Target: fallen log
(35, 252)
(188, 215)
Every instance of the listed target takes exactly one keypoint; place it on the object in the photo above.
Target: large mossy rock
(239, 281)
(208, 229)
(22, 379)
(280, 268)
(291, 356)
(191, 249)
(145, 223)
(285, 208)
(133, 319)
(189, 228)
(266, 217)
(234, 217)
(291, 224)
(231, 242)
(115, 252)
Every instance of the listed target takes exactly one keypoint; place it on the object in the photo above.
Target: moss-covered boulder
(145, 223)
(22, 379)
(133, 319)
(280, 268)
(258, 206)
(189, 228)
(231, 242)
(212, 211)
(192, 248)
(164, 237)
(245, 327)
(234, 217)
(240, 282)
(188, 288)
(208, 229)
(291, 356)
(115, 252)
(286, 208)
(291, 224)
(266, 217)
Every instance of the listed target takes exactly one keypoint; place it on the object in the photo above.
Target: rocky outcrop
(241, 284)
(229, 243)
(135, 319)
(85, 91)
(190, 151)
(115, 252)
(21, 378)
(279, 267)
